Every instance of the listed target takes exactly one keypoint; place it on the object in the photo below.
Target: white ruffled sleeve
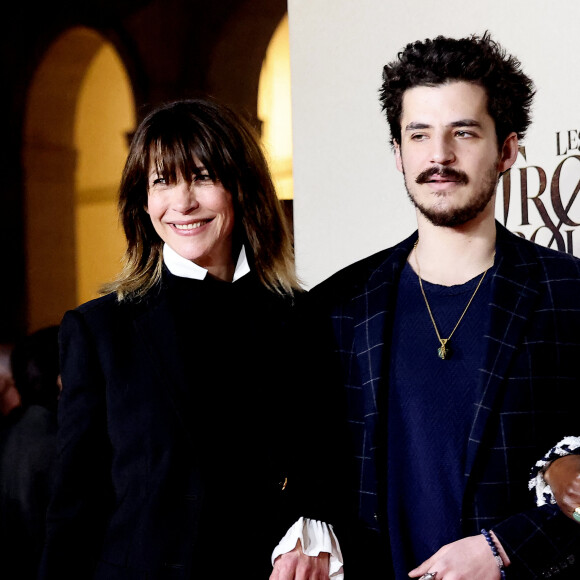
(567, 446)
(315, 537)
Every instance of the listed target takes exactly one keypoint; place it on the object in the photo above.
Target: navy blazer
(530, 381)
(132, 488)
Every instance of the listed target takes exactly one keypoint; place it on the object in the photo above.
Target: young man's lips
(444, 180)
(443, 177)
(441, 185)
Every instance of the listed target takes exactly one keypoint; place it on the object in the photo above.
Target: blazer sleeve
(82, 497)
(541, 543)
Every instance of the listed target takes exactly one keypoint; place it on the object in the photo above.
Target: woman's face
(196, 220)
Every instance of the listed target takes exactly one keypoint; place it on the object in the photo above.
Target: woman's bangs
(180, 157)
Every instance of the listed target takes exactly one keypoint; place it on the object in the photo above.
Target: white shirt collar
(184, 268)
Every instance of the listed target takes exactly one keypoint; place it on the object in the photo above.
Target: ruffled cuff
(315, 537)
(567, 446)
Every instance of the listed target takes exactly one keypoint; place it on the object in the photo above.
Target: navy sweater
(431, 402)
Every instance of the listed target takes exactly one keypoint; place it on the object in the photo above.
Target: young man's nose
(442, 151)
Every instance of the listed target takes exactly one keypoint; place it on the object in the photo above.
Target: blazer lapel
(373, 321)
(156, 327)
(515, 290)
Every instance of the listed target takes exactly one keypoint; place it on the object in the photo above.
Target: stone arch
(236, 62)
(275, 109)
(54, 174)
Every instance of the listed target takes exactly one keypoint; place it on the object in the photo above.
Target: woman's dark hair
(475, 59)
(173, 137)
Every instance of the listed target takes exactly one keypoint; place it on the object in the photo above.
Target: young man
(458, 347)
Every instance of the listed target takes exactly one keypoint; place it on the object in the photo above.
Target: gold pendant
(443, 352)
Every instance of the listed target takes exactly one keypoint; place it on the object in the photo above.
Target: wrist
(499, 555)
(502, 553)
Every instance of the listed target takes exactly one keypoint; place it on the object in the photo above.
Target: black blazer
(530, 383)
(173, 456)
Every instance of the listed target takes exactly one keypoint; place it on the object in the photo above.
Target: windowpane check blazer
(529, 380)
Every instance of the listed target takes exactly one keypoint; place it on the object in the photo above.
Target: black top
(237, 359)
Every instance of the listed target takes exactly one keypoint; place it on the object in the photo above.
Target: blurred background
(77, 79)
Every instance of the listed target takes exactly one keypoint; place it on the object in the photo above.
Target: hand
(296, 565)
(563, 476)
(467, 559)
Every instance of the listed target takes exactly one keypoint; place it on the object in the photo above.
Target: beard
(456, 216)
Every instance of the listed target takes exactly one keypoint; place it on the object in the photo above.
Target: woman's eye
(202, 177)
(159, 180)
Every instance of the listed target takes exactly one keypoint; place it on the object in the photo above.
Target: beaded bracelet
(495, 553)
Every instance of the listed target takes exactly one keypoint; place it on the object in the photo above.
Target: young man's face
(449, 152)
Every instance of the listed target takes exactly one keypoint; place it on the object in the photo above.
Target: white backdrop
(349, 199)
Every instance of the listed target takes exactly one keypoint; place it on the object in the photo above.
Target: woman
(178, 415)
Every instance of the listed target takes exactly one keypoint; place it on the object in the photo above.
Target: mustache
(443, 172)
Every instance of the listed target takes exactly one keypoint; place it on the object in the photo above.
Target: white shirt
(315, 536)
(184, 268)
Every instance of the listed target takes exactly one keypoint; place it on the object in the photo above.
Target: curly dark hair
(475, 59)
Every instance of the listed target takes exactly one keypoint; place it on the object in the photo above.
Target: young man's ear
(508, 153)
(398, 160)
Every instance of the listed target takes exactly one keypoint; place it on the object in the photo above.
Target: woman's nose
(184, 198)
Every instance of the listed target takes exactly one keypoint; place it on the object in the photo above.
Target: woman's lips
(190, 226)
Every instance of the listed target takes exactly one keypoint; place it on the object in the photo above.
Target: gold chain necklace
(444, 351)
